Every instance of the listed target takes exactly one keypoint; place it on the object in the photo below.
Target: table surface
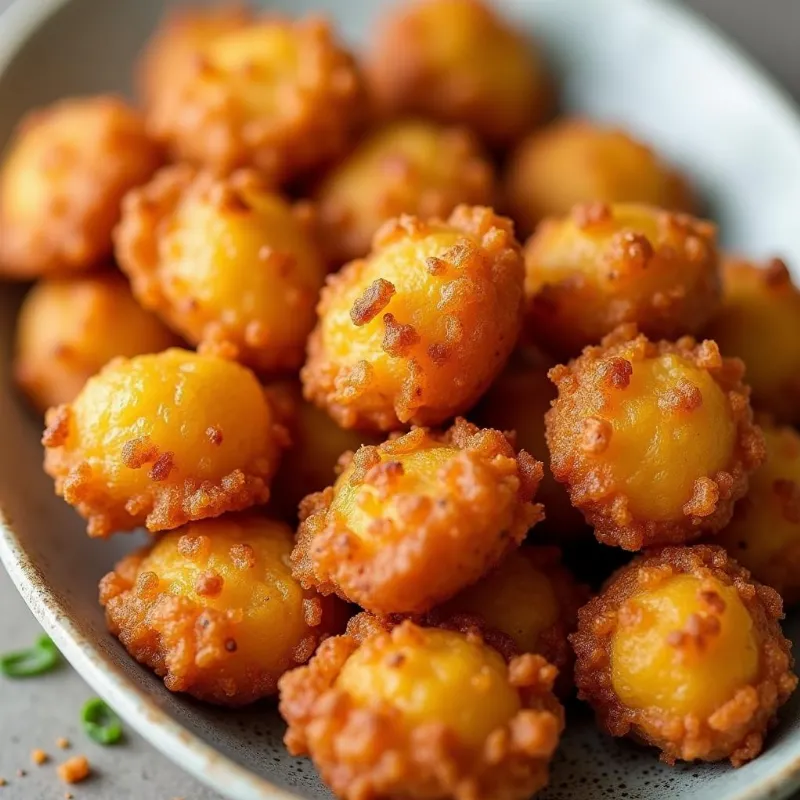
(35, 713)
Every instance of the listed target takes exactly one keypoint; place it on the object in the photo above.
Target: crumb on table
(62, 743)
(39, 757)
(74, 769)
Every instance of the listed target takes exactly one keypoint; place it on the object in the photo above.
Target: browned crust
(572, 439)
(348, 392)
(735, 730)
(404, 75)
(365, 753)
(202, 121)
(73, 231)
(482, 509)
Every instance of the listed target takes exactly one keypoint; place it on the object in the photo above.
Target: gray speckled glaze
(642, 63)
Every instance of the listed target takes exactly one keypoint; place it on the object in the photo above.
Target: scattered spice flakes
(74, 770)
(62, 743)
(39, 757)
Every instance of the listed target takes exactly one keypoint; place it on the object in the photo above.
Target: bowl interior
(642, 64)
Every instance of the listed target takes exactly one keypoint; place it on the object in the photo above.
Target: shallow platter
(642, 63)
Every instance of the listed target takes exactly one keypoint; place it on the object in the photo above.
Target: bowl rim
(18, 23)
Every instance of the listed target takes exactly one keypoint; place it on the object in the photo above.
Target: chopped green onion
(36, 660)
(100, 722)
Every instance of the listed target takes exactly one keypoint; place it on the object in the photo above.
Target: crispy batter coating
(655, 441)
(213, 609)
(229, 264)
(317, 446)
(603, 266)
(68, 328)
(62, 181)
(423, 712)
(531, 598)
(410, 523)
(684, 652)
(405, 167)
(574, 161)
(457, 62)
(226, 89)
(417, 331)
(760, 323)
(764, 534)
(162, 440)
(517, 401)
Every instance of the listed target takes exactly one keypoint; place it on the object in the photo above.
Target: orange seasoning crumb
(3, 781)
(74, 770)
(62, 743)
(39, 757)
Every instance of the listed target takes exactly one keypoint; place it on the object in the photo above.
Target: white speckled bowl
(643, 63)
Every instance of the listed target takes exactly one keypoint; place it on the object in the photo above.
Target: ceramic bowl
(645, 64)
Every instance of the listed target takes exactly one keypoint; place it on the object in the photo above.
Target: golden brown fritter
(162, 440)
(410, 523)
(517, 401)
(760, 323)
(227, 89)
(402, 714)
(213, 609)
(457, 62)
(229, 264)
(764, 534)
(654, 441)
(574, 161)
(405, 167)
(603, 266)
(61, 183)
(684, 652)
(416, 332)
(317, 445)
(68, 328)
(531, 598)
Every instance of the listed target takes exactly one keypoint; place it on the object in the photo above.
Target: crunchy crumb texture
(39, 757)
(683, 651)
(457, 62)
(531, 598)
(134, 449)
(416, 332)
(760, 323)
(764, 534)
(230, 265)
(401, 715)
(74, 770)
(226, 89)
(62, 181)
(317, 448)
(411, 522)
(68, 329)
(654, 441)
(404, 167)
(602, 266)
(213, 609)
(574, 161)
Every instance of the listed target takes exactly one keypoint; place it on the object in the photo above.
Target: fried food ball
(226, 262)
(64, 175)
(213, 609)
(531, 598)
(417, 331)
(683, 651)
(456, 61)
(317, 443)
(68, 328)
(410, 523)
(654, 441)
(406, 167)
(517, 401)
(423, 712)
(574, 161)
(764, 534)
(162, 440)
(226, 89)
(760, 323)
(603, 266)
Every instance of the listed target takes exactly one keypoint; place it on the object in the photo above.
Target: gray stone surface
(34, 713)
